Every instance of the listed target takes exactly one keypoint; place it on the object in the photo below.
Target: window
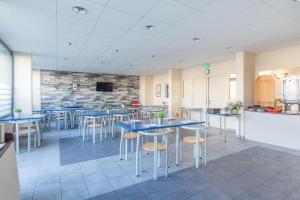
(232, 86)
(5, 81)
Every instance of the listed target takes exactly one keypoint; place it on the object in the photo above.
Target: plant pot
(235, 112)
(160, 121)
(17, 114)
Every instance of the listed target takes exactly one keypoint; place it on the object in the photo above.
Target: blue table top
(23, 117)
(146, 125)
(97, 113)
(65, 109)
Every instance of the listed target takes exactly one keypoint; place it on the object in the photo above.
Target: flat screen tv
(104, 87)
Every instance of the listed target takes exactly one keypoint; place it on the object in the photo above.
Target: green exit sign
(206, 66)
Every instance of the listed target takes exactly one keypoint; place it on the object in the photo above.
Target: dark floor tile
(261, 192)
(227, 190)
(107, 196)
(73, 150)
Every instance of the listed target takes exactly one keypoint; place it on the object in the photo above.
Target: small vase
(17, 115)
(160, 121)
(234, 112)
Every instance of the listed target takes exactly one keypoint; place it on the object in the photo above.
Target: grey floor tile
(120, 182)
(224, 191)
(99, 188)
(261, 192)
(75, 194)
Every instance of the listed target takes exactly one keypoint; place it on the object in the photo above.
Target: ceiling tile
(169, 11)
(118, 18)
(133, 6)
(106, 31)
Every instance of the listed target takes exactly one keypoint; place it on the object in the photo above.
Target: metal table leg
(177, 145)
(225, 130)
(17, 138)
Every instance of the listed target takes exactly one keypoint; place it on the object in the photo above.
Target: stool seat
(149, 146)
(96, 125)
(130, 135)
(24, 132)
(192, 140)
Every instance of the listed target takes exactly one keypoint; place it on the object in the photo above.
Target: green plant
(160, 115)
(107, 107)
(17, 110)
(235, 105)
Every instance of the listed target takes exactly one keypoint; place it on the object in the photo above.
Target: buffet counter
(278, 129)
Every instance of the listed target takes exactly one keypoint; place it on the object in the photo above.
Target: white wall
(278, 59)
(162, 80)
(193, 80)
(23, 82)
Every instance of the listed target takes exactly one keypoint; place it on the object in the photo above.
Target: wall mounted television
(104, 87)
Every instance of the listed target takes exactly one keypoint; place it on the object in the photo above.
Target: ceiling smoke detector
(79, 10)
(117, 50)
(149, 27)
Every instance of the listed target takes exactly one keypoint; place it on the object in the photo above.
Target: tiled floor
(44, 175)
(73, 150)
(243, 175)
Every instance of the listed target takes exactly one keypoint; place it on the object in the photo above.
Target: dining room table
(37, 118)
(149, 125)
(71, 110)
(101, 114)
(224, 116)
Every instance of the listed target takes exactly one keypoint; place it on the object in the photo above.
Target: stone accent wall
(57, 89)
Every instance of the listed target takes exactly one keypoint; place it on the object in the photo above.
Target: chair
(155, 147)
(91, 122)
(61, 115)
(197, 141)
(120, 118)
(24, 128)
(126, 137)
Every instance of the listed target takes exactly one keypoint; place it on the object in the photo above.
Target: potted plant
(107, 108)
(17, 112)
(160, 116)
(235, 107)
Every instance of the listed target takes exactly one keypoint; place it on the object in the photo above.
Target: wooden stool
(127, 136)
(197, 141)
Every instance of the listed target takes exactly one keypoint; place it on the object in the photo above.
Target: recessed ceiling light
(102, 62)
(117, 50)
(296, 0)
(180, 60)
(69, 44)
(196, 39)
(66, 58)
(79, 10)
(149, 27)
(153, 56)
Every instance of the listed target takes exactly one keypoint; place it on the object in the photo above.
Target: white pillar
(23, 82)
(245, 68)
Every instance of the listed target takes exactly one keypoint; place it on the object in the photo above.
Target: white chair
(197, 141)
(92, 122)
(125, 137)
(24, 128)
(154, 147)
